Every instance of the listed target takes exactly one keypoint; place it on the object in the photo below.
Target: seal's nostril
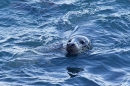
(70, 45)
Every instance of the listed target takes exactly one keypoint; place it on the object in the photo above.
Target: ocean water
(29, 29)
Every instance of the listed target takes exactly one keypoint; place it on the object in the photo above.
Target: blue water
(29, 28)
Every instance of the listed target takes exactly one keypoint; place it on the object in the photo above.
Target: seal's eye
(82, 42)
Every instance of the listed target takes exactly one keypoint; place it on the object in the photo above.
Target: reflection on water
(72, 71)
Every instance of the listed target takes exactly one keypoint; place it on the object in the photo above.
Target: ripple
(4, 3)
(29, 43)
(5, 55)
(29, 28)
(80, 81)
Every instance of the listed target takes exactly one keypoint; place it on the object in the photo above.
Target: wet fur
(81, 47)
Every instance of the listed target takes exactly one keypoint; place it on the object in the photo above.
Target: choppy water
(26, 25)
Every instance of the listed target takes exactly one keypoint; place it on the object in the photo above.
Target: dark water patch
(115, 61)
(29, 43)
(126, 20)
(11, 39)
(19, 77)
(124, 2)
(118, 25)
(115, 77)
(7, 22)
(7, 40)
(108, 67)
(34, 8)
(116, 21)
(4, 3)
(43, 83)
(9, 79)
(98, 69)
(41, 13)
(123, 42)
(27, 7)
(15, 64)
(105, 11)
(5, 55)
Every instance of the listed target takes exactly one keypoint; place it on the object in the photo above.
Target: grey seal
(78, 44)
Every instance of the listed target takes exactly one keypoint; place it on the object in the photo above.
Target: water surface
(29, 28)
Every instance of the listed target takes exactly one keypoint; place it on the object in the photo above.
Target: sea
(31, 32)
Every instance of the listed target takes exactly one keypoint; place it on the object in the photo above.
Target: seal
(78, 44)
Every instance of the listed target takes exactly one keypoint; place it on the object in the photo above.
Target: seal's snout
(71, 48)
(70, 45)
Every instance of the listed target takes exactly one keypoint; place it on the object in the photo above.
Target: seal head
(78, 44)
